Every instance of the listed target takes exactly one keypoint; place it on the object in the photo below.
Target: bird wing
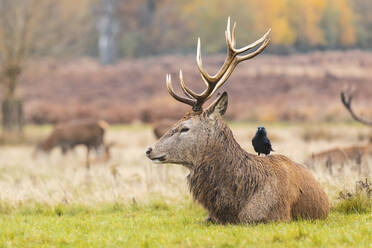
(267, 142)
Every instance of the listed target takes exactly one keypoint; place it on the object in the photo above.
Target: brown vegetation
(233, 185)
(57, 179)
(360, 186)
(359, 201)
(293, 88)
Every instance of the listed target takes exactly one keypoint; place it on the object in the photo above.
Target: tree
(363, 23)
(150, 27)
(29, 28)
(108, 28)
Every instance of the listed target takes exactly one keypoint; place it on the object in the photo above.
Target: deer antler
(346, 98)
(213, 83)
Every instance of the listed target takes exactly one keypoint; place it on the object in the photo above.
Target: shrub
(358, 202)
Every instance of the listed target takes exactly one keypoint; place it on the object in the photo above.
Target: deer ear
(218, 107)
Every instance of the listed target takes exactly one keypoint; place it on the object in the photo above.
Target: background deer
(352, 155)
(87, 132)
(347, 155)
(233, 185)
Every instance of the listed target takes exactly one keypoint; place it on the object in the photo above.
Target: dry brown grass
(130, 175)
(297, 87)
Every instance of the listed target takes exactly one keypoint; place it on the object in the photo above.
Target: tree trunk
(12, 106)
(108, 28)
(12, 116)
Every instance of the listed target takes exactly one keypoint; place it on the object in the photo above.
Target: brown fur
(161, 127)
(233, 185)
(340, 156)
(106, 155)
(67, 136)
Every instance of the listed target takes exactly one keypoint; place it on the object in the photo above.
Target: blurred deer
(345, 155)
(233, 185)
(86, 132)
(340, 157)
(106, 156)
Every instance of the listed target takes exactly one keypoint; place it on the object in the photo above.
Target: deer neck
(220, 174)
(223, 151)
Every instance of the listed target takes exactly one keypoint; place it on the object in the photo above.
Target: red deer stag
(87, 132)
(233, 185)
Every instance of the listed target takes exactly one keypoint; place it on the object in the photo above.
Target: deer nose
(148, 151)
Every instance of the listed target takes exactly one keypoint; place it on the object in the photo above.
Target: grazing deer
(232, 184)
(345, 155)
(106, 156)
(87, 132)
(161, 127)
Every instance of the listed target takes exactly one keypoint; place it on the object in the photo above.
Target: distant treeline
(152, 27)
(164, 26)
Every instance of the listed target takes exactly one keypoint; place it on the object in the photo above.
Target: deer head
(346, 98)
(201, 134)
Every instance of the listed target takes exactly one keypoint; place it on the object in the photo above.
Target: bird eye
(184, 130)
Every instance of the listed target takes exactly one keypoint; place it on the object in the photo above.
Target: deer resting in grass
(87, 132)
(232, 184)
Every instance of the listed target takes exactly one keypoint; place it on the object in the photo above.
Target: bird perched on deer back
(261, 143)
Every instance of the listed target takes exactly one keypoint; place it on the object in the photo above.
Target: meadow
(129, 202)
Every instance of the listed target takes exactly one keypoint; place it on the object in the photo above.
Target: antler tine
(232, 58)
(188, 92)
(254, 44)
(235, 63)
(213, 79)
(230, 42)
(174, 95)
(228, 32)
(346, 98)
(233, 37)
(214, 82)
(253, 54)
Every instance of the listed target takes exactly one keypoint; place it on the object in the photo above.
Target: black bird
(261, 143)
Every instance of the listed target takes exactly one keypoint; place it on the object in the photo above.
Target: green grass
(158, 224)
(358, 202)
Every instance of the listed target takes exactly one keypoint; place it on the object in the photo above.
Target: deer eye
(184, 130)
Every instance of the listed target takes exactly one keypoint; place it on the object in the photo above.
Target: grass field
(158, 224)
(129, 202)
